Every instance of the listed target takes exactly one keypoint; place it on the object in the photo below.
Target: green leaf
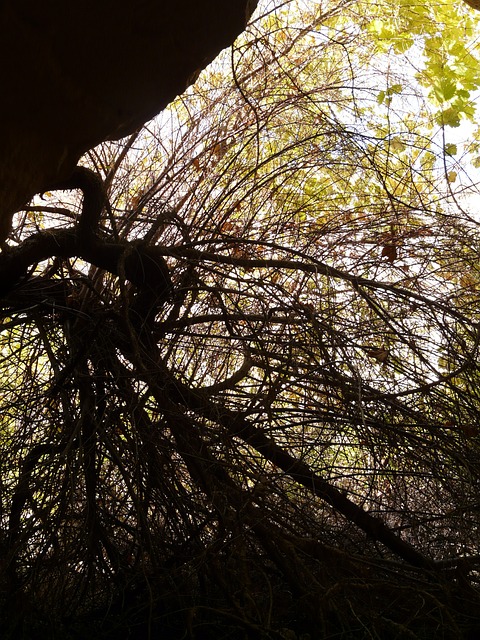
(448, 117)
(395, 88)
(445, 89)
(450, 149)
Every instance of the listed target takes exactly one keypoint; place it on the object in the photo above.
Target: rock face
(74, 73)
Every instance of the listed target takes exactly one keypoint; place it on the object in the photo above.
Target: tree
(240, 393)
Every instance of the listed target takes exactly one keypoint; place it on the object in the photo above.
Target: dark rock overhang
(74, 74)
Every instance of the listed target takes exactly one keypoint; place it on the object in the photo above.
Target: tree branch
(237, 426)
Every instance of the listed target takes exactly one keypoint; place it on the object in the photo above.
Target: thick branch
(143, 266)
(239, 427)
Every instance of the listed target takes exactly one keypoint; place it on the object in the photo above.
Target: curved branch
(143, 266)
(313, 266)
(94, 199)
(234, 379)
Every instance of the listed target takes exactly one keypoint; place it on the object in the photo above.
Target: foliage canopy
(283, 443)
